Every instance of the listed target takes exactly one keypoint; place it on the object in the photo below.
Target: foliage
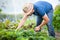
(0, 10)
(7, 24)
(7, 32)
(23, 35)
(56, 21)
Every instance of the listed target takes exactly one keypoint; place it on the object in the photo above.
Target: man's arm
(22, 21)
(45, 20)
(30, 12)
(24, 18)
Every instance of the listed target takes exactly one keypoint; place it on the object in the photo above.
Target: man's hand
(37, 28)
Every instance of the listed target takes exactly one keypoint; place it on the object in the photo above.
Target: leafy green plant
(56, 21)
(23, 35)
(7, 32)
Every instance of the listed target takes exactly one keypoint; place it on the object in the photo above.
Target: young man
(44, 12)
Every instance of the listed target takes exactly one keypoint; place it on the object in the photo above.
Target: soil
(57, 35)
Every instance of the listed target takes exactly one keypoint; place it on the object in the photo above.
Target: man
(44, 12)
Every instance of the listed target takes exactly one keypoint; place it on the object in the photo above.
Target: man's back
(45, 5)
(42, 7)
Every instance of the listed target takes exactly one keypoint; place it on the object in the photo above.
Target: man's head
(27, 7)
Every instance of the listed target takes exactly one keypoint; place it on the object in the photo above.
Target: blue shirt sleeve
(41, 11)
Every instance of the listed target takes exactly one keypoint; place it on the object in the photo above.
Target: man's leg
(49, 25)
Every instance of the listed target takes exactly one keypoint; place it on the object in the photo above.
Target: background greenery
(56, 20)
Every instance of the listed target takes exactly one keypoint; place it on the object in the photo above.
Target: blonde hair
(26, 7)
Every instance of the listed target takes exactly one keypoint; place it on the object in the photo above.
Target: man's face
(28, 10)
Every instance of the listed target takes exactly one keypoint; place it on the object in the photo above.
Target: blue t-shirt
(42, 7)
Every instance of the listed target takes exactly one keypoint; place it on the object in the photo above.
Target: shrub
(23, 35)
(56, 20)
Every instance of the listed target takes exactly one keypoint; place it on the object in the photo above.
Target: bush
(56, 21)
(23, 35)
(7, 32)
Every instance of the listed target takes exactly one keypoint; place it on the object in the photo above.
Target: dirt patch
(57, 35)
